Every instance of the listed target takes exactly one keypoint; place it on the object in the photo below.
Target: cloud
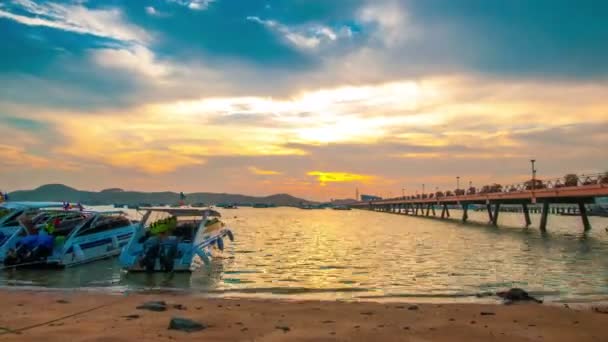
(407, 91)
(24, 124)
(198, 5)
(151, 10)
(137, 59)
(388, 20)
(261, 172)
(309, 36)
(339, 177)
(16, 158)
(151, 161)
(107, 23)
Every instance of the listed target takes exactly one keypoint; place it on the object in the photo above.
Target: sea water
(363, 255)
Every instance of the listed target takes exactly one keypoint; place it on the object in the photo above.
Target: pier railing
(568, 181)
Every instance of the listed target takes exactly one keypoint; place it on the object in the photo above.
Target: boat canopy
(184, 211)
(30, 205)
(90, 212)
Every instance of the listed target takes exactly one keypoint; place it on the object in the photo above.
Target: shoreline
(95, 316)
(266, 294)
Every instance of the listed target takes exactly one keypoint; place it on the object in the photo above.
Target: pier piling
(527, 215)
(496, 212)
(544, 216)
(584, 217)
(489, 207)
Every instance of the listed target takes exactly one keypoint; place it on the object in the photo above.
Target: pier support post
(465, 215)
(527, 215)
(443, 211)
(496, 212)
(428, 210)
(447, 210)
(489, 207)
(433, 208)
(543, 218)
(583, 210)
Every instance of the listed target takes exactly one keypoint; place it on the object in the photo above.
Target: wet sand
(85, 316)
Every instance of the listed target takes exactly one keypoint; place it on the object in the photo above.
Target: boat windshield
(102, 222)
(162, 216)
(181, 223)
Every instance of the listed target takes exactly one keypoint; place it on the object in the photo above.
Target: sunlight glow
(339, 177)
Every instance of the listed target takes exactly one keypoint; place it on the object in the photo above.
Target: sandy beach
(86, 316)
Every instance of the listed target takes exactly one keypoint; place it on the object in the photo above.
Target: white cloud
(136, 59)
(390, 19)
(198, 5)
(107, 23)
(151, 10)
(305, 36)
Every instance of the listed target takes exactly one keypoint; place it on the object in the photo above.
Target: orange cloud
(152, 161)
(13, 156)
(262, 172)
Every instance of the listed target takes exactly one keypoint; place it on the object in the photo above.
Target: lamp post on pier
(457, 184)
(532, 161)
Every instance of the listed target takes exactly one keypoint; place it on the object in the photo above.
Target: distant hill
(345, 201)
(60, 193)
(113, 190)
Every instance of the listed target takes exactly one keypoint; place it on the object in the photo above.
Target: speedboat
(174, 240)
(9, 223)
(98, 235)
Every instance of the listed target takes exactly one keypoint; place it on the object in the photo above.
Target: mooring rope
(20, 330)
(23, 264)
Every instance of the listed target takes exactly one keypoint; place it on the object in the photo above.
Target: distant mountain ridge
(60, 193)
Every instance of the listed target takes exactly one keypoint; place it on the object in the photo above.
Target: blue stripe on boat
(101, 242)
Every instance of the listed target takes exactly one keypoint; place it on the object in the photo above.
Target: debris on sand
(601, 309)
(284, 328)
(153, 306)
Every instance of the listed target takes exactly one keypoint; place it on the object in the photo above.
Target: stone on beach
(515, 295)
(186, 325)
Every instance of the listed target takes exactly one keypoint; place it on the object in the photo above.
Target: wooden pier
(425, 205)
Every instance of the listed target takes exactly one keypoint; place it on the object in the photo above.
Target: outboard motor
(168, 252)
(230, 235)
(151, 251)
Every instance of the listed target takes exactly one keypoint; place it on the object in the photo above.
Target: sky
(314, 98)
